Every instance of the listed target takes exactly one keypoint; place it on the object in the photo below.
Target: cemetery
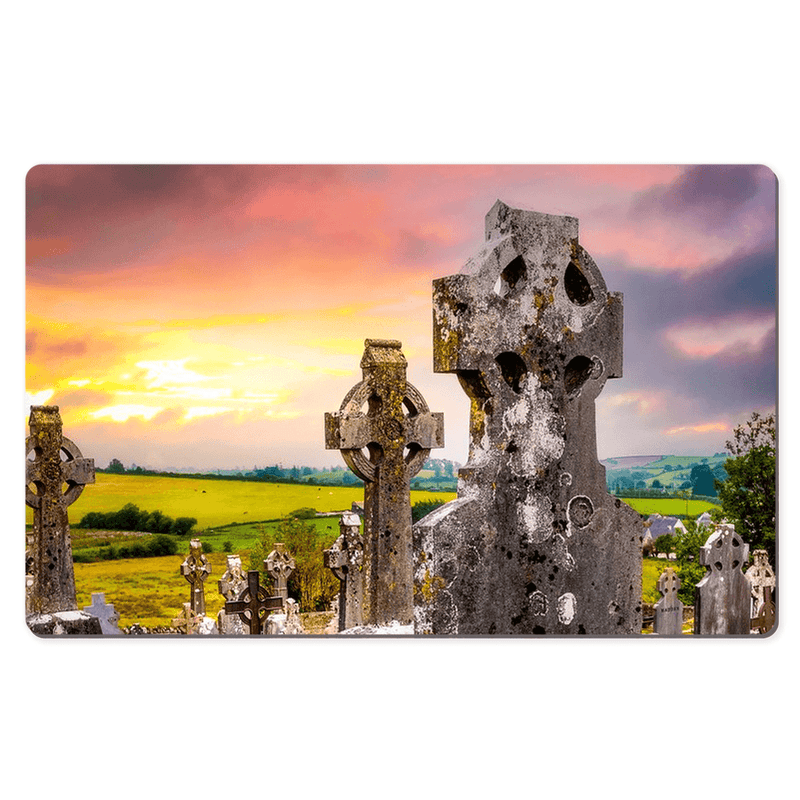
(533, 543)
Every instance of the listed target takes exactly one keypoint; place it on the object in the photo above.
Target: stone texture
(533, 544)
(195, 568)
(722, 598)
(53, 579)
(386, 445)
(105, 612)
(668, 620)
(345, 559)
(70, 623)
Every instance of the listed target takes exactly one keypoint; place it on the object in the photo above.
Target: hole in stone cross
(577, 287)
(577, 372)
(735, 564)
(409, 409)
(410, 451)
(512, 278)
(374, 453)
(513, 370)
(718, 564)
(374, 404)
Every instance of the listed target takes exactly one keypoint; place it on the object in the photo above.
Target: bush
(182, 526)
(227, 546)
(303, 513)
(162, 545)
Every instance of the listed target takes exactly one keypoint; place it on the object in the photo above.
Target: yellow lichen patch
(431, 586)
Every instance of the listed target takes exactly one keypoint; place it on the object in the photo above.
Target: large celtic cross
(52, 460)
(385, 432)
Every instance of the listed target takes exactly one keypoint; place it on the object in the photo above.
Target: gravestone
(109, 618)
(279, 565)
(386, 445)
(533, 544)
(188, 621)
(722, 598)
(345, 559)
(195, 568)
(762, 587)
(254, 604)
(51, 462)
(230, 586)
(668, 610)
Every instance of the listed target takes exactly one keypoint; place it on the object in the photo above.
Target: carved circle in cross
(356, 458)
(72, 453)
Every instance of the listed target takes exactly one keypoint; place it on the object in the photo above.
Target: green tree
(748, 495)
(116, 466)
(686, 547)
(665, 544)
(702, 481)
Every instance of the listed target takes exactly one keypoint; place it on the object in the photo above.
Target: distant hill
(628, 462)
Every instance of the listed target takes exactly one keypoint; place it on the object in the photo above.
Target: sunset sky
(208, 316)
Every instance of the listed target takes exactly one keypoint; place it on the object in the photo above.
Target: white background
(357, 82)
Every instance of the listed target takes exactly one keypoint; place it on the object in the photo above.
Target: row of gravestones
(533, 544)
(727, 600)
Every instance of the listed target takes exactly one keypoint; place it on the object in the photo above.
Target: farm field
(668, 506)
(215, 502)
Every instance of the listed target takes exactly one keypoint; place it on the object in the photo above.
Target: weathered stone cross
(187, 621)
(280, 564)
(722, 598)
(53, 587)
(534, 544)
(761, 577)
(764, 619)
(196, 569)
(385, 432)
(669, 609)
(230, 586)
(345, 559)
(254, 603)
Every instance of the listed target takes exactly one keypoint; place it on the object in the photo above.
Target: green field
(216, 502)
(668, 506)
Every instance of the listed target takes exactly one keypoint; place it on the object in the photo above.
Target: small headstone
(279, 565)
(195, 568)
(761, 576)
(668, 610)
(722, 598)
(254, 604)
(109, 618)
(762, 589)
(345, 559)
(187, 622)
(386, 445)
(231, 585)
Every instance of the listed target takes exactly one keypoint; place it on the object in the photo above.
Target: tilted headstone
(373, 444)
(254, 604)
(230, 585)
(195, 568)
(188, 621)
(52, 585)
(105, 612)
(279, 565)
(534, 544)
(668, 620)
(722, 598)
(345, 559)
(762, 587)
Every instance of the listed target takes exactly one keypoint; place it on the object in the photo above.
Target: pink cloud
(703, 339)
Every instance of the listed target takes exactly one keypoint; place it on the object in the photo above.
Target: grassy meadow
(216, 502)
(668, 506)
